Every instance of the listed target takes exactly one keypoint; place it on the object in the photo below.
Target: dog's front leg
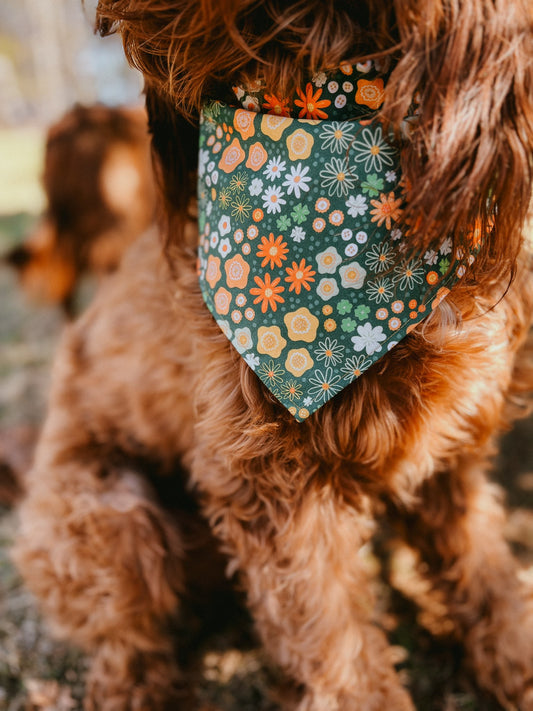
(310, 598)
(104, 561)
(458, 528)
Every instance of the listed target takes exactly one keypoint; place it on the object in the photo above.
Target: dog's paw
(392, 697)
(148, 682)
(500, 651)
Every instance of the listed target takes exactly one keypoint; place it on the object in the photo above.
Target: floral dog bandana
(302, 261)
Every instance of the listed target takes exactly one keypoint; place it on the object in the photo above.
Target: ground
(222, 659)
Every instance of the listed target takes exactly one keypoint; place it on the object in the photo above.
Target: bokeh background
(50, 59)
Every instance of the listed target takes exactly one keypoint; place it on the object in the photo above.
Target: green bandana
(301, 258)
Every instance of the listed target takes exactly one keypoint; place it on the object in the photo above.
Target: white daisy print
(325, 384)
(275, 168)
(337, 136)
(380, 290)
(379, 257)
(407, 275)
(203, 159)
(330, 351)
(224, 225)
(224, 247)
(297, 180)
(256, 186)
(373, 150)
(273, 200)
(354, 367)
(369, 338)
(356, 205)
(337, 178)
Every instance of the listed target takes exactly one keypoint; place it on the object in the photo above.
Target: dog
(100, 197)
(294, 473)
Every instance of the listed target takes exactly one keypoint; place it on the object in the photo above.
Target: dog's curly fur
(146, 373)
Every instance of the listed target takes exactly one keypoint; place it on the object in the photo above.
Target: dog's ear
(175, 157)
(470, 64)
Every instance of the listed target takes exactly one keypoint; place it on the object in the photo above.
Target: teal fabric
(302, 260)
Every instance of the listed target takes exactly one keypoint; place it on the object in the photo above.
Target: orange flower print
(311, 104)
(222, 300)
(299, 275)
(212, 273)
(370, 93)
(237, 271)
(273, 250)
(256, 157)
(275, 106)
(231, 157)
(244, 123)
(387, 208)
(267, 293)
(442, 293)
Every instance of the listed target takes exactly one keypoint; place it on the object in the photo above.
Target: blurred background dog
(100, 197)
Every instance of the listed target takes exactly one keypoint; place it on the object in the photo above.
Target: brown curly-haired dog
(100, 196)
(147, 373)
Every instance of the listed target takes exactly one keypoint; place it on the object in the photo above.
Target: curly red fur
(147, 375)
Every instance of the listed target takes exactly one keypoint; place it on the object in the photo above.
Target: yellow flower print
(298, 361)
(330, 325)
(270, 341)
(222, 300)
(352, 275)
(300, 144)
(231, 157)
(301, 325)
(244, 123)
(212, 273)
(273, 126)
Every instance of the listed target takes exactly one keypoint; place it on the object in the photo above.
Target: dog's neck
(342, 93)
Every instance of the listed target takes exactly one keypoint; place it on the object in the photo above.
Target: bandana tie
(301, 260)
